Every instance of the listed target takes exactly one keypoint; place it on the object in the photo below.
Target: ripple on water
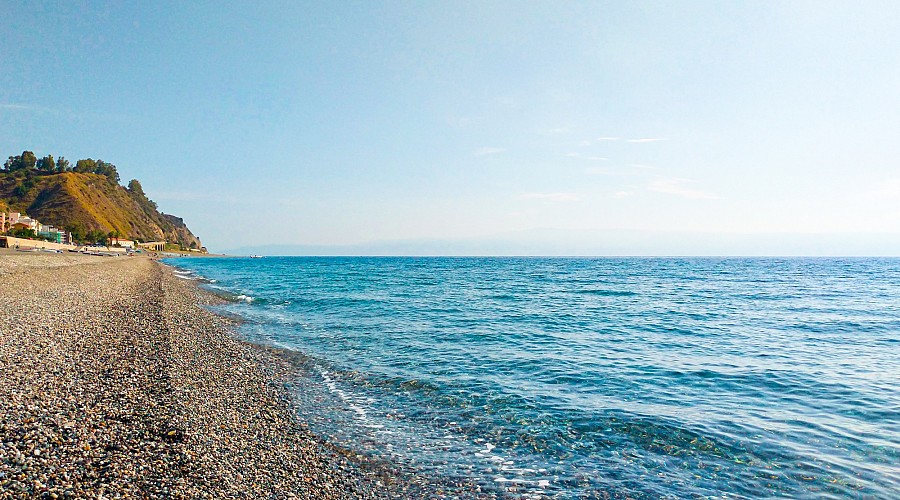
(645, 378)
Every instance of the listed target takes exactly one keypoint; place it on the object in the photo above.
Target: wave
(643, 377)
(604, 292)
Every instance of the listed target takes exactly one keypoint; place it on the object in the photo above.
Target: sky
(563, 128)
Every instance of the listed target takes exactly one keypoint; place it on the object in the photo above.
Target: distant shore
(115, 381)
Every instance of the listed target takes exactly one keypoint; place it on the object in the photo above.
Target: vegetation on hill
(86, 199)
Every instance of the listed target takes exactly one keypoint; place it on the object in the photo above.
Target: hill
(82, 202)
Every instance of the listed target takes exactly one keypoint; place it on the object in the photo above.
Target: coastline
(120, 382)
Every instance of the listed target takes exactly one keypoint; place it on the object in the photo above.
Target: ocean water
(576, 378)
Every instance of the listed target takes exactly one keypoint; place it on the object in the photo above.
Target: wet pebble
(117, 383)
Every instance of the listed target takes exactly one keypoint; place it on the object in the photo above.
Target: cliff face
(91, 202)
(179, 232)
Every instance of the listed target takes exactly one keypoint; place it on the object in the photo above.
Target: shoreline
(120, 382)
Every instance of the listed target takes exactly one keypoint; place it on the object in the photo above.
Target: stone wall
(26, 243)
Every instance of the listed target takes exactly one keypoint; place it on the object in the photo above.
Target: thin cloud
(647, 139)
(643, 167)
(559, 197)
(27, 107)
(679, 187)
(488, 151)
(608, 139)
(584, 157)
(623, 194)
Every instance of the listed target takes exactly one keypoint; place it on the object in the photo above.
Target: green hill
(90, 202)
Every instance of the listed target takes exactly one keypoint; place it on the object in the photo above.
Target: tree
(46, 164)
(137, 192)
(135, 188)
(86, 166)
(108, 170)
(23, 232)
(95, 236)
(13, 163)
(28, 160)
(23, 188)
(62, 164)
(76, 229)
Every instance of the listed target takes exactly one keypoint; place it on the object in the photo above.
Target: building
(158, 246)
(54, 235)
(16, 220)
(121, 242)
(26, 222)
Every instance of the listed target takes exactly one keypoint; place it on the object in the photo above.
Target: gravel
(115, 382)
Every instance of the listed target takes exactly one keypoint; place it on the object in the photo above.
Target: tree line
(26, 165)
(77, 231)
(28, 162)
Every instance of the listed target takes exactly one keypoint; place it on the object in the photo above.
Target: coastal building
(15, 220)
(121, 242)
(26, 222)
(158, 246)
(54, 235)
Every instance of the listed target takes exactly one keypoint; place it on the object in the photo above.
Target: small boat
(256, 256)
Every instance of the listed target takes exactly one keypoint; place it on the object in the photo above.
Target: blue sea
(581, 378)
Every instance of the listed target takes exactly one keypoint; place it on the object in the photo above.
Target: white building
(122, 242)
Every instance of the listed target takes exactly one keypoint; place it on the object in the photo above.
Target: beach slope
(115, 382)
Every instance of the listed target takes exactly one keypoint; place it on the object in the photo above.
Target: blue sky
(544, 127)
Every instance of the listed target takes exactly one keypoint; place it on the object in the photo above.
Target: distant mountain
(612, 242)
(82, 202)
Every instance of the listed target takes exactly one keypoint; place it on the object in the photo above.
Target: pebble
(116, 383)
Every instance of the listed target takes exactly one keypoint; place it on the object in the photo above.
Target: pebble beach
(116, 382)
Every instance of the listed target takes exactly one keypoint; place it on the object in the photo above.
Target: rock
(135, 362)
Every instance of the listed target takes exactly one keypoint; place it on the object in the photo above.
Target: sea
(591, 377)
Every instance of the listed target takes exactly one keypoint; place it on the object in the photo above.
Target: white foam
(501, 479)
(517, 470)
(360, 412)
